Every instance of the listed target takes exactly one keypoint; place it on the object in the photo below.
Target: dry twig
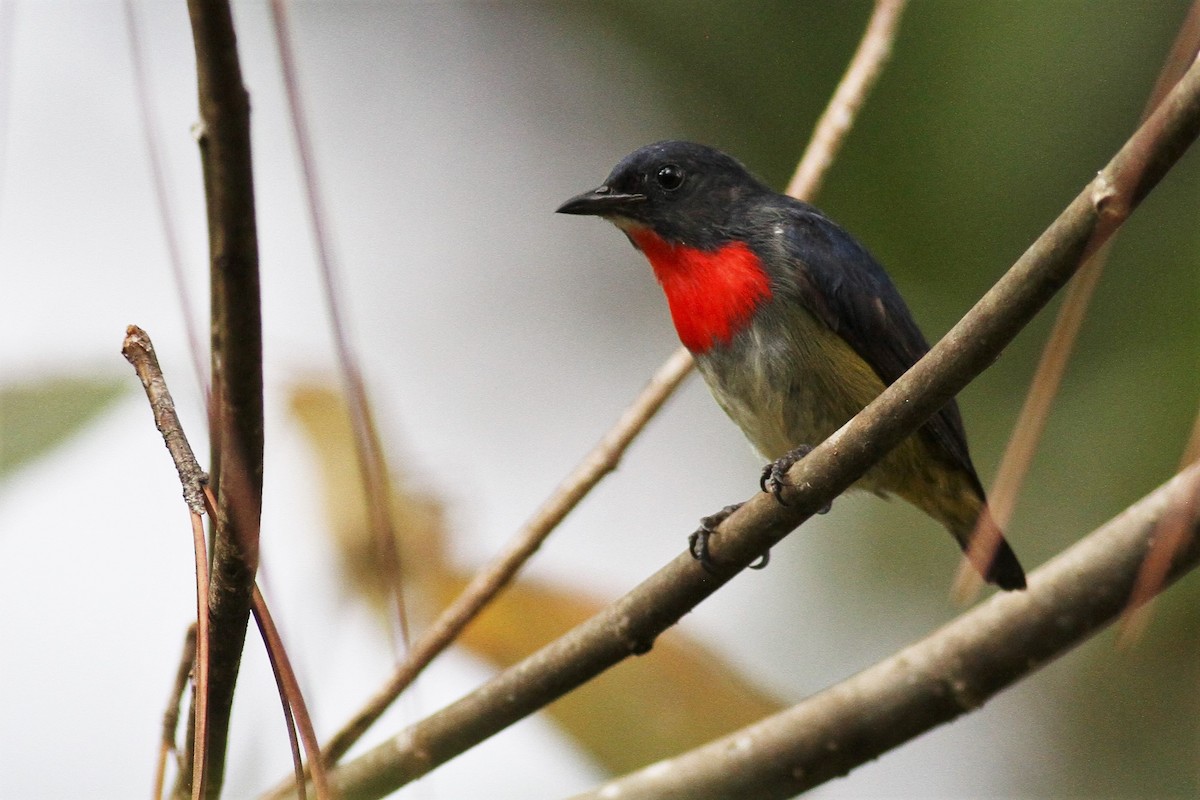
(187, 659)
(138, 350)
(951, 672)
(236, 410)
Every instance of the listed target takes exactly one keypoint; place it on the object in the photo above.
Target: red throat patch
(712, 294)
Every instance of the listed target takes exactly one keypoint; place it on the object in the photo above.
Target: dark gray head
(683, 191)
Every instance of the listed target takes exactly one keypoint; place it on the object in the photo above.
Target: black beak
(601, 202)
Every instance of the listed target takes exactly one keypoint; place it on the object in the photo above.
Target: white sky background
(499, 342)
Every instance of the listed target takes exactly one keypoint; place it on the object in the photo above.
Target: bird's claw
(698, 540)
(775, 475)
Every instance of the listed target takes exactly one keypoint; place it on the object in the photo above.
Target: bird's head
(682, 191)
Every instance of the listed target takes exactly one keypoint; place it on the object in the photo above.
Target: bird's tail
(985, 547)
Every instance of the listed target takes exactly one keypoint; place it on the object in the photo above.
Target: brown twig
(1171, 538)
(1172, 535)
(372, 462)
(631, 624)
(236, 410)
(187, 660)
(138, 350)
(200, 704)
(607, 454)
(292, 700)
(951, 672)
(489, 581)
(1047, 378)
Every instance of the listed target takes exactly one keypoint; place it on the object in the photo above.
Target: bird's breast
(787, 379)
(712, 293)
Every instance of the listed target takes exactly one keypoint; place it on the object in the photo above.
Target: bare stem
(139, 351)
(187, 659)
(236, 410)
(951, 672)
(200, 706)
(292, 700)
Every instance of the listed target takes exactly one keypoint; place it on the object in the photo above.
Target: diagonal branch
(1056, 353)
(949, 673)
(630, 625)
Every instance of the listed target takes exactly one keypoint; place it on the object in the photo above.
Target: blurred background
(500, 341)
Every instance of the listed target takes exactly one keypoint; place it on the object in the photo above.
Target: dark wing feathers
(842, 285)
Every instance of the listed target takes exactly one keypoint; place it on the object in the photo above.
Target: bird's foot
(775, 475)
(698, 541)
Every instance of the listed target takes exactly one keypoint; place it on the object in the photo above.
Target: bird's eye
(670, 177)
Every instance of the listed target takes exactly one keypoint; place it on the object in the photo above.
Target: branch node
(635, 644)
(1103, 194)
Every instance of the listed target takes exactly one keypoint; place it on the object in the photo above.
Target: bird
(795, 328)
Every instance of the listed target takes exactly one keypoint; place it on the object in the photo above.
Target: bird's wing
(840, 283)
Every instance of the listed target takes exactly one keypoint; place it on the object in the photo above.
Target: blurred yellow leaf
(673, 698)
(416, 514)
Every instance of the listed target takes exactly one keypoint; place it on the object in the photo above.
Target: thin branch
(631, 624)
(949, 673)
(1172, 535)
(200, 700)
(187, 660)
(138, 350)
(372, 462)
(607, 454)
(872, 56)
(1047, 378)
(236, 410)
(1171, 538)
(292, 701)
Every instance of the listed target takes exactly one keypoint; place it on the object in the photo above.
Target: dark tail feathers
(990, 554)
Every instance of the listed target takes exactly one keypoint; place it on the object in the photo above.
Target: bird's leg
(698, 541)
(775, 475)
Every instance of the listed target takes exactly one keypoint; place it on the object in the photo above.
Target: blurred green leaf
(35, 417)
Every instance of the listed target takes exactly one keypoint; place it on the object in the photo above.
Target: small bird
(793, 325)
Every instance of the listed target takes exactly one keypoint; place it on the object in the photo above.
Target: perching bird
(793, 324)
